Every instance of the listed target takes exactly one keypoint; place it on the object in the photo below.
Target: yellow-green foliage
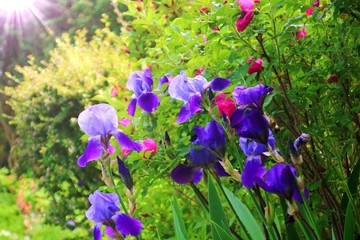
(46, 103)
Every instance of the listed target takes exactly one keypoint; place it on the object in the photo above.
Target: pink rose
(242, 23)
(255, 67)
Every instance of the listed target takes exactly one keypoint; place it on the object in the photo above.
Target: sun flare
(15, 5)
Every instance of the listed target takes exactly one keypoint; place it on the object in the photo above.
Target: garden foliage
(302, 58)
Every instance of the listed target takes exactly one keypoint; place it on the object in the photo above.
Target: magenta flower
(242, 23)
(250, 60)
(256, 66)
(100, 123)
(316, 3)
(150, 146)
(309, 11)
(105, 210)
(301, 33)
(225, 105)
(141, 83)
(246, 5)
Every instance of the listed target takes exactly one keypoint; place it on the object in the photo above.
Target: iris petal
(127, 225)
(198, 176)
(253, 169)
(97, 232)
(99, 119)
(219, 84)
(132, 107)
(92, 152)
(126, 142)
(182, 174)
(185, 114)
(148, 101)
(109, 231)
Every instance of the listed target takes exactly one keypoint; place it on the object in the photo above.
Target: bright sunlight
(15, 5)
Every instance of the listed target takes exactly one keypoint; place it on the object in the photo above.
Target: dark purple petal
(220, 170)
(148, 101)
(125, 174)
(103, 207)
(279, 179)
(132, 107)
(197, 177)
(212, 137)
(219, 84)
(127, 225)
(110, 232)
(164, 79)
(252, 95)
(97, 231)
(126, 142)
(200, 157)
(253, 169)
(182, 174)
(185, 114)
(99, 119)
(93, 151)
(251, 123)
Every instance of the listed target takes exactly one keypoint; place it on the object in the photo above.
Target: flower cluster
(105, 210)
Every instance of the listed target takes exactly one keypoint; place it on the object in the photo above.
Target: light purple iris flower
(141, 83)
(100, 123)
(105, 210)
(191, 91)
(208, 149)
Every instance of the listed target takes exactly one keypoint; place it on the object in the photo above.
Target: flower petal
(92, 152)
(103, 206)
(220, 170)
(109, 231)
(182, 174)
(99, 119)
(125, 174)
(127, 225)
(253, 169)
(126, 142)
(197, 177)
(219, 84)
(185, 114)
(97, 231)
(132, 107)
(148, 101)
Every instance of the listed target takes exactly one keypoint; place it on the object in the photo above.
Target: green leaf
(217, 214)
(352, 184)
(224, 235)
(349, 223)
(180, 230)
(248, 220)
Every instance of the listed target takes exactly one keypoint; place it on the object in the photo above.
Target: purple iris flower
(100, 123)
(252, 148)
(141, 83)
(208, 149)
(105, 210)
(191, 91)
(281, 180)
(295, 147)
(253, 169)
(252, 96)
(250, 123)
(125, 174)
